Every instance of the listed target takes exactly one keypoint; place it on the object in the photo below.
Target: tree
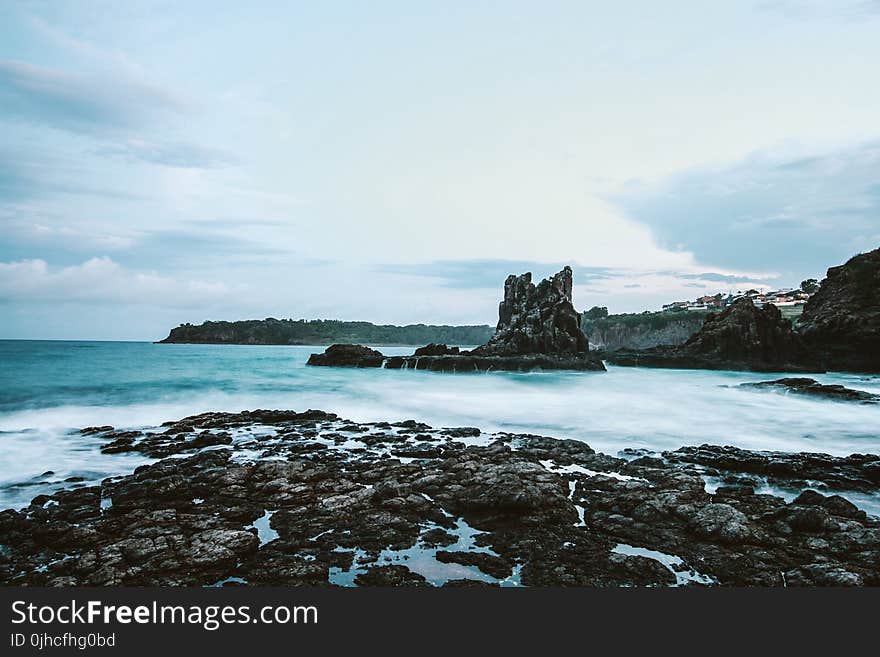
(596, 312)
(810, 286)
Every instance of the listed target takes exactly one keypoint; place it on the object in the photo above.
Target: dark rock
(390, 576)
(741, 337)
(347, 355)
(436, 350)
(841, 321)
(538, 329)
(490, 564)
(858, 472)
(189, 520)
(805, 386)
(90, 430)
(536, 319)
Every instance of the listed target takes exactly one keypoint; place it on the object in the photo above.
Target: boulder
(348, 355)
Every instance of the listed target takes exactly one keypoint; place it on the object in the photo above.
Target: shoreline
(278, 497)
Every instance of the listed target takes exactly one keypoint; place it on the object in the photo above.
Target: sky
(168, 162)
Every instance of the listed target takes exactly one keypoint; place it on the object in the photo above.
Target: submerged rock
(741, 337)
(805, 386)
(841, 322)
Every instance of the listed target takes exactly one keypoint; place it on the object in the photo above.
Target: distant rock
(841, 322)
(538, 329)
(805, 386)
(536, 319)
(348, 355)
(741, 337)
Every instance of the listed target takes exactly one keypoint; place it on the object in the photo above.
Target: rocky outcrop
(741, 337)
(538, 329)
(805, 386)
(436, 350)
(841, 321)
(536, 319)
(347, 355)
(312, 499)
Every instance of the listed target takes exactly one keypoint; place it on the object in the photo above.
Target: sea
(51, 389)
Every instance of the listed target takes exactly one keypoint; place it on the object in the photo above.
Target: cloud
(489, 274)
(796, 214)
(178, 154)
(79, 102)
(101, 280)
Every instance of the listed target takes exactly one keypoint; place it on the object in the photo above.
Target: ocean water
(49, 390)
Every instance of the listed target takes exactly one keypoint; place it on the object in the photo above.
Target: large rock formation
(841, 322)
(538, 329)
(536, 319)
(741, 337)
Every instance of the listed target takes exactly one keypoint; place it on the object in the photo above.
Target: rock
(805, 386)
(841, 321)
(467, 362)
(436, 350)
(538, 329)
(491, 565)
(857, 472)
(509, 505)
(741, 337)
(536, 319)
(390, 576)
(347, 355)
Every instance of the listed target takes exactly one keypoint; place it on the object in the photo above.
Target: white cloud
(101, 280)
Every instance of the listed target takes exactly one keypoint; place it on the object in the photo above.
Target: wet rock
(390, 576)
(806, 386)
(436, 350)
(491, 565)
(347, 355)
(555, 510)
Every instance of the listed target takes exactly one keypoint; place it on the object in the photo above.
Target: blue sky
(166, 162)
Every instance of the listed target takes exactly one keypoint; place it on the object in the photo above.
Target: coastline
(286, 498)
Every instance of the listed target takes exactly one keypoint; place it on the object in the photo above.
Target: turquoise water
(48, 390)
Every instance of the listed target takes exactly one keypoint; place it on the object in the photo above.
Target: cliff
(741, 337)
(641, 330)
(317, 331)
(841, 322)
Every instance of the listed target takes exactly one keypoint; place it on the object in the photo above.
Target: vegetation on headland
(596, 319)
(324, 331)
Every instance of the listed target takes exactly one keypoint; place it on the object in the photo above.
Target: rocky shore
(741, 337)
(308, 498)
